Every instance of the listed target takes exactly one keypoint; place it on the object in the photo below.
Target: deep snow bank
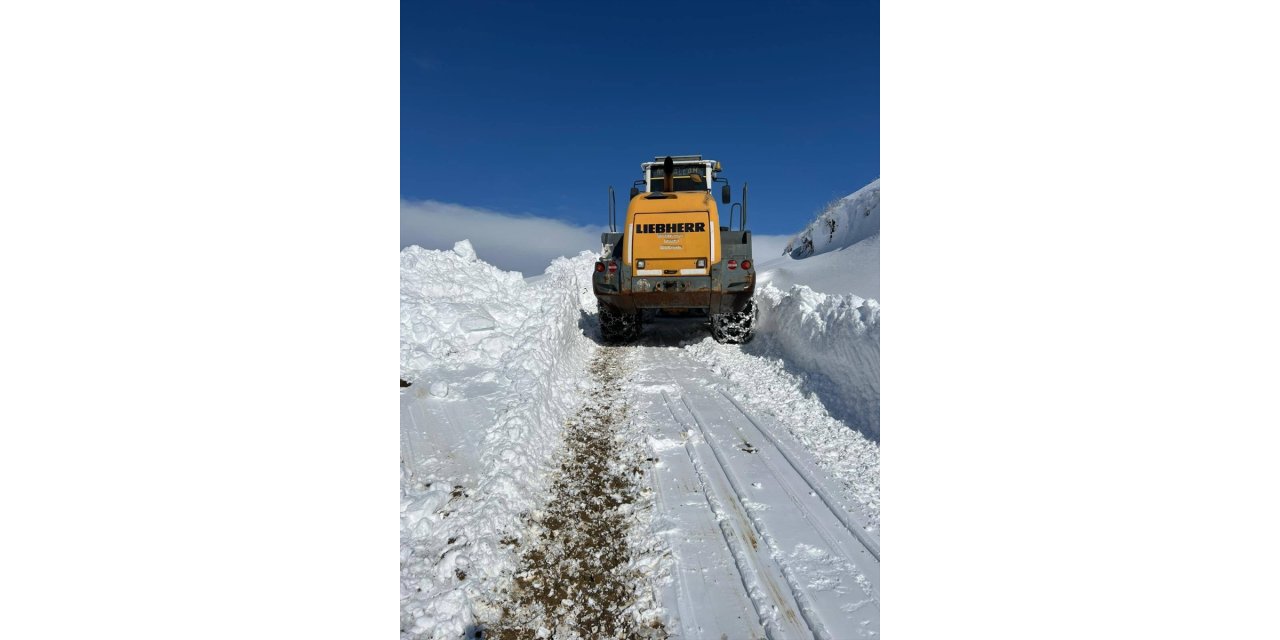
(819, 308)
(497, 365)
(832, 342)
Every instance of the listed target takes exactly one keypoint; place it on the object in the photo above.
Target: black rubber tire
(735, 328)
(617, 327)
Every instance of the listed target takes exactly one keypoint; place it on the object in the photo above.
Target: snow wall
(496, 366)
(832, 342)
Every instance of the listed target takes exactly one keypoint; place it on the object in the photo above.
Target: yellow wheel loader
(673, 254)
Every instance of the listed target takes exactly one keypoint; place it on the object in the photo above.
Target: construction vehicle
(674, 256)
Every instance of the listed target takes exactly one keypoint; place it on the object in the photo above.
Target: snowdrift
(819, 308)
(832, 342)
(495, 365)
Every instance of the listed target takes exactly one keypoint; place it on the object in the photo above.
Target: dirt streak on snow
(579, 577)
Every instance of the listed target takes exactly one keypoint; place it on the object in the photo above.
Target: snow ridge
(843, 223)
(496, 365)
(833, 342)
(819, 310)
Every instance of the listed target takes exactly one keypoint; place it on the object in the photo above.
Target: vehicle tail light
(702, 263)
(733, 264)
(746, 264)
(639, 264)
(599, 267)
(613, 266)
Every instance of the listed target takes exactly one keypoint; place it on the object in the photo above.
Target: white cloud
(513, 242)
(521, 243)
(767, 247)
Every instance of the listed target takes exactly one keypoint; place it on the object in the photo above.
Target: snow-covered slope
(844, 223)
(820, 310)
(838, 252)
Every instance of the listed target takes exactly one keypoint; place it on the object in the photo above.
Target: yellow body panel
(664, 233)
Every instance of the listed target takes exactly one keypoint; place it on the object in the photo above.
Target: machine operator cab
(689, 173)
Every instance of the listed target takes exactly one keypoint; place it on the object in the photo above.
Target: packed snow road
(554, 486)
(763, 542)
(744, 535)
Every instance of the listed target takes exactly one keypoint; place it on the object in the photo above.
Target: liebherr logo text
(675, 227)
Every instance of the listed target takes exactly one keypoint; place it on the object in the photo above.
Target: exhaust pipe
(668, 175)
(613, 208)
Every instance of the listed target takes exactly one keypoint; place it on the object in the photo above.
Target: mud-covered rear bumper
(684, 292)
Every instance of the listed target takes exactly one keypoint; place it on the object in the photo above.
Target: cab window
(682, 181)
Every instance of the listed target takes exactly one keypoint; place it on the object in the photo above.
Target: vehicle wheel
(735, 328)
(617, 326)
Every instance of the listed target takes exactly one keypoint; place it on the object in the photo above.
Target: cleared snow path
(764, 542)
(675, 487)
(585, 570)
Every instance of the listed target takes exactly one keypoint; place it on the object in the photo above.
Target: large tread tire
(735, 328)
(617, 327)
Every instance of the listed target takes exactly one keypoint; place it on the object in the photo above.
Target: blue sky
(537, 107)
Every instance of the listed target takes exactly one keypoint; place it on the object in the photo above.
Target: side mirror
(634, 192)
(724, 194)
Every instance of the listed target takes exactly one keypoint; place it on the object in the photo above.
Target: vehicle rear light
(599, 267)
(702, 263)
(746, 264)
(639, 264)
(733, 264)
(613, 267)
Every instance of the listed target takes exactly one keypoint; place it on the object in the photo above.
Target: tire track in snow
(814, 549)
(773, 599)
(805, 471)
(774, 394)
(688, 617)
(707, 596)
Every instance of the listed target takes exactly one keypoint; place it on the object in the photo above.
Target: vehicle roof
(644, 166)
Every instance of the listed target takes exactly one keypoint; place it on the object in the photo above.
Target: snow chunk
(472, 324)
(463, 248)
